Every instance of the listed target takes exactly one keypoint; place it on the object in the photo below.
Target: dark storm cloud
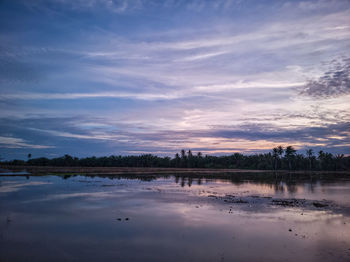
(335, 82)
(303, 134)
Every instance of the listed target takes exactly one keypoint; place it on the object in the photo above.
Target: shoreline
(42, 170)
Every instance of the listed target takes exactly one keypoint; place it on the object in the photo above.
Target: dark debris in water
(319, 205)
(288, 202)
(89, 181)
(238, 201)
(270, 201)
(120, 219)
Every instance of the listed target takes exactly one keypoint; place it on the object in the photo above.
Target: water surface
(81, 218)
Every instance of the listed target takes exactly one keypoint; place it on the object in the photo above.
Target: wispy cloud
(116, 6)
(45, 96)
(121, 6)
(245, 85)
(159, 95)
(13, 142)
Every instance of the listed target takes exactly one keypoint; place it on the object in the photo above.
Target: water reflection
(12, 186)
(174, 218)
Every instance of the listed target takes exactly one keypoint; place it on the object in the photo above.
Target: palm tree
(238, 159)
(275, 156)
(29, 156)
(199, 159)
(290, 152)
(190, 158)
(321, 157)
(183, 158)
(309, 153)
(183, 153)
(280, 151)
(338, 158)
(177, 160)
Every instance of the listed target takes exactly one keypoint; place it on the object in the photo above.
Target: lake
(174, 218)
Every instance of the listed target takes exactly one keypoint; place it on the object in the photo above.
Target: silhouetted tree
(290, 153)
(273, 160)
(309, 153)
(280, 151)
(275, 156)
(338, 158)
(183, 158)
(177, 160)
(321, 157)
(190, 159)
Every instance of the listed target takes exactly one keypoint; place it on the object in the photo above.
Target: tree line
(279, 158)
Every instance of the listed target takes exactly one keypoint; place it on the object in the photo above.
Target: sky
(103, 77)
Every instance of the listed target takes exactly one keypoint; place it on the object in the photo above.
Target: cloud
(299, 134)
(49, 96)
(202, 56)
(157, 94)
(78, 135)
(335, 82)
(13, 142)
(122, 6)
(116, 6)
(247, 85)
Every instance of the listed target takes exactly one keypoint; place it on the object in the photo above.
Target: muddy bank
(115, 171)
